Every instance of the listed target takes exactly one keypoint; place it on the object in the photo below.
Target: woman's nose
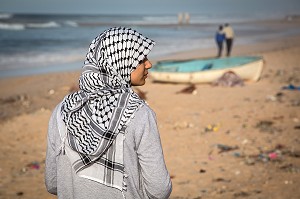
(148, 64)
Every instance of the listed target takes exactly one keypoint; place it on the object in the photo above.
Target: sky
(148, 6)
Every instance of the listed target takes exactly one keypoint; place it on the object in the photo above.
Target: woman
(103, 140)
(229, 37)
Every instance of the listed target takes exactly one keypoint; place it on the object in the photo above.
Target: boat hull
(249, 72)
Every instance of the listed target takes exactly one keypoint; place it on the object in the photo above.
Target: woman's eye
(142, 61)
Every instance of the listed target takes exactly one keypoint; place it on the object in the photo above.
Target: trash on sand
(288, 182)
(277, 97)
(296, 127)
(183, 125)
(295, 119)
(226, 148)
(295, 102)
(191, 89)
(220, 180)
(249, 161)
(229, 79)
(263, 125)
(20, 193)
(33, 165)
(292, 153)
(270, 155)
(14, 99)
(273, 155)
(291, 87)
(51, 92)
(267, 126)
(290, 168)
(237, 154)
(212, 128)
(241, 194)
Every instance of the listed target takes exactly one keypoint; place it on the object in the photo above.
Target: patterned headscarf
(96, 116)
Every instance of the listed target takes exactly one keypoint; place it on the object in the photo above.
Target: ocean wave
(13, 26)
(5, 16)
(71, 23)
(22, 26)
(18, 61)
(154, 20)
(50, 24)
(160, 19)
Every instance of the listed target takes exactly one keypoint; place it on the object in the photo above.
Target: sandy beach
(220, 142)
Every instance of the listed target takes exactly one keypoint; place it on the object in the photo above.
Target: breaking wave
(5, 16)
(50, 24)
(13, 26)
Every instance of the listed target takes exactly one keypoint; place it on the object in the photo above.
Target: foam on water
(50, 24)
(5, 15)
(12, 26)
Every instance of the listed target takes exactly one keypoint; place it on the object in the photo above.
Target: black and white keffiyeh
(96, 116)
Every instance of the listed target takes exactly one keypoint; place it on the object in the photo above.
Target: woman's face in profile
(139, 75)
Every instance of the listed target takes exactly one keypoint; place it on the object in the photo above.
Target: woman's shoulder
(144, 115)
(55, 115)
(144, 111)
(55, 110)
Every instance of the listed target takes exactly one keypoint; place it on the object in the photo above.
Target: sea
(43, 43)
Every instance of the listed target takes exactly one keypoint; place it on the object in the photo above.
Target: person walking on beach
(220, 38)
(103, 140)
(229, 36)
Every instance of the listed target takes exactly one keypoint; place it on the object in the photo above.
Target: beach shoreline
(202, 53)
(64, 54)
(258, 123)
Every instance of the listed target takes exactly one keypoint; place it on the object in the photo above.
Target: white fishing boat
(248, 68)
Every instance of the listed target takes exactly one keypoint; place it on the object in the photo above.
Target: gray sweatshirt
(143, 160)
